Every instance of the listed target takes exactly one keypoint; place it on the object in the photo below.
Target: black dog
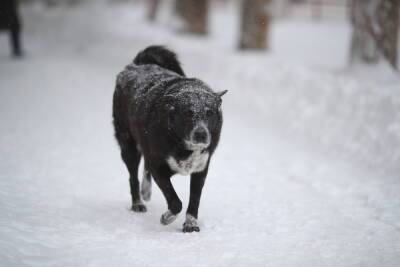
(173, 121)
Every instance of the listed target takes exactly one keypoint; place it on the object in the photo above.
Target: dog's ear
(221, 93)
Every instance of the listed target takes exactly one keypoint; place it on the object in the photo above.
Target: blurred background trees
(255, 19)
(153, 7)
(375, 31)
(195, 15)
(374, 23)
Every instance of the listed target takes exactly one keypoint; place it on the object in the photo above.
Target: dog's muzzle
(200, 135)
(199, 138)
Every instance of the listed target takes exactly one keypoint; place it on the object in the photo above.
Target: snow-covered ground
(306, 172)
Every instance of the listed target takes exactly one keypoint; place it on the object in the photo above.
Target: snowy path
(269, 200)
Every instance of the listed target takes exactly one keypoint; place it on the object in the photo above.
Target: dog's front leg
(196, 186)
(163, 180)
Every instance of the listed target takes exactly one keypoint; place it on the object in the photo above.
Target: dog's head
(194, 117)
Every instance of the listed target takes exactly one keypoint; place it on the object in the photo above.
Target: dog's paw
(139, 207)
(190, 229)
(168, 217)
(190, 224)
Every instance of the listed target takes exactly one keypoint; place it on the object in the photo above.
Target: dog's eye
(171, 109)
(171, 114)
(209, 112)
(189, 113)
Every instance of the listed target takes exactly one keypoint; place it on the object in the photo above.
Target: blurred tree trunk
(179, 8)
(375, 31)
(255, 24)
(282, 8)
(54, 3)
(153, 8)
(388, 19)
(195, 15)
(316, 9)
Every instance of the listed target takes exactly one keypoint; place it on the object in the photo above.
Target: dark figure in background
(9, 20)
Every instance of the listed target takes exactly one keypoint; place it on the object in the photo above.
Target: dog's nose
(200, 135)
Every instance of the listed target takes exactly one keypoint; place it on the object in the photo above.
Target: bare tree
(255, 24)
(153, 8)
(194, 14)
(179, 8)
(375, 31)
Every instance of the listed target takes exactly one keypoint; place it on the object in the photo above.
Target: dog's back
(142, 82)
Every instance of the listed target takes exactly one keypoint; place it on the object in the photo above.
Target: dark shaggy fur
(174, 122)
(160, 56)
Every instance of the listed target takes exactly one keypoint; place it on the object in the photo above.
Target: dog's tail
(160, 56)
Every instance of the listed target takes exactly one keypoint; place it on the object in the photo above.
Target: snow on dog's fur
(174, 122)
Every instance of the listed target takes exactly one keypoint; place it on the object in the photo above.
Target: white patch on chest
(196, 162)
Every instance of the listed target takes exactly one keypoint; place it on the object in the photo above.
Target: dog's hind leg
(146, 183)
(131, 156)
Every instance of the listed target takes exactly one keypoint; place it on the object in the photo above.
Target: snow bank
(352, 115)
